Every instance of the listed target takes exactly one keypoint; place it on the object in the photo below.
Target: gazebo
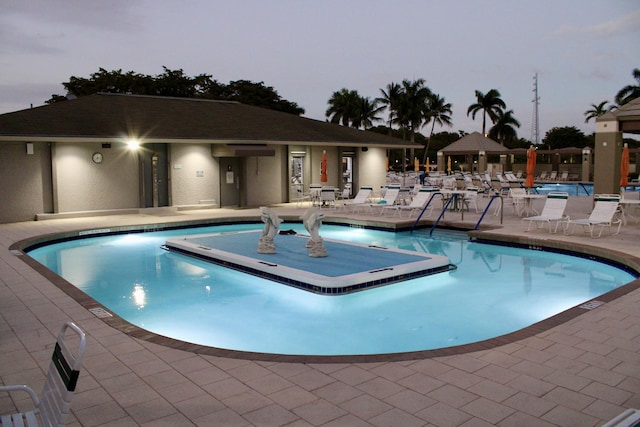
(608, 150)
(474, 145)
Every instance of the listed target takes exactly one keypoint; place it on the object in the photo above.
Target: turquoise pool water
(495, 290)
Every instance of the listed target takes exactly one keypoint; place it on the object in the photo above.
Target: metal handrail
(495, 196)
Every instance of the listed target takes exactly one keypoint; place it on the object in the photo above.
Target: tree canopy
(177, 84)
(564, 137)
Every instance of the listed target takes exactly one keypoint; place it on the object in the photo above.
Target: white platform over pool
(348, 267)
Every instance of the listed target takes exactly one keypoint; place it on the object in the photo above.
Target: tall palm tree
(597, 110)
(366, 113)
(343, 106)
(490, 104)
(504, 128)
(438, 111)
(630, 92)
(411, 106)
(390, 99)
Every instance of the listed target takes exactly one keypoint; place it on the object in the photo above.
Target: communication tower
(535, 123)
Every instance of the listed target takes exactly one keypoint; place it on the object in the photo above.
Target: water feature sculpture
(272, 222)
(312, 220)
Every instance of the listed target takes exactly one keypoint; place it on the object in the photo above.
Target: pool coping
(622, 259)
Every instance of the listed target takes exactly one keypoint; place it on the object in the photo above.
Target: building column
(482, 161)
(607, 156)
(441, 165)
(586, 165)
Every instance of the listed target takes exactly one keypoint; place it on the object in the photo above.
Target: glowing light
(139, 295)
(133, 144)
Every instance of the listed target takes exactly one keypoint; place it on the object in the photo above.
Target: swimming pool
(494, 291)
(573, 188)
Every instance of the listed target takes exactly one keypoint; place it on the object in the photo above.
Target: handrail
(444, 209)
(424, 209)
(495, 196)
(584, 188)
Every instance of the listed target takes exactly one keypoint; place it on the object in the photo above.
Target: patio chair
(298, 195)
(564, 176)
(542, 176)
(328, 197)
(552, 212)
(471, 198)
(360, 200)
(602, 215)
(53, 405)
(418, 202)
(553, 176)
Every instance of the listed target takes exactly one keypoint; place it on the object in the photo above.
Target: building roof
(114, 117)
(474, 143)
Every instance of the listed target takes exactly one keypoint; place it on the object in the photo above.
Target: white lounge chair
(53, 405)
(389, 199)
(552, 212)
(471, 198)
(629, 418)
(417, 204)
(603, 215)
(360, 200)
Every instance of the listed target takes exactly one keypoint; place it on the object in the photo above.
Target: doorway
(231, 186)
(155, 186)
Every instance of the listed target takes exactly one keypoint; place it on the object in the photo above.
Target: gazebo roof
(474, 143)
(108, 117)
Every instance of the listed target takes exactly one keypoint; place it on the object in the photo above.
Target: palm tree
(629, 92)
(390, 100)
(490, 105)
(343, 106)
(504, 128)
(597, 110)
(412, 105)
(366, 113)
(438, 111)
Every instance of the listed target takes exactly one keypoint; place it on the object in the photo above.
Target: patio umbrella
(426, 167)
(624, 166)
(449, 164)
(323, 167)
(531, 167)
(416, 164)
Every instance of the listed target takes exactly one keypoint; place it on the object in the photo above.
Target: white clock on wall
(97, 157)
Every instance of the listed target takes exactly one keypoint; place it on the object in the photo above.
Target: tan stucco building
(75, 156)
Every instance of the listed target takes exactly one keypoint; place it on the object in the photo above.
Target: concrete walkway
(578, 373)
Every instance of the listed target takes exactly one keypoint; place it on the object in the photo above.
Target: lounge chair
(418, 203)
(603, 215)
(389, 199)
(564, 176)
(471, 198)
(552, 212)
(629, 418)
(53, 406)
(542, 176)
(553, 176)
(360, 200)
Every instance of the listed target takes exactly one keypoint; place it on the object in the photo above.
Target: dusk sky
(584, 51)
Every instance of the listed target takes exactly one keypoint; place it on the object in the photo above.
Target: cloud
(626, 24)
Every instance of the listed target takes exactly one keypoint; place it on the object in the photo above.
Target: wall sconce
(481, 153)
(30, 150)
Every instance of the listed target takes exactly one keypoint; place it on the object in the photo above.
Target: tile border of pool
(118, 323)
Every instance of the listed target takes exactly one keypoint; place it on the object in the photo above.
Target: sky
(583, 51)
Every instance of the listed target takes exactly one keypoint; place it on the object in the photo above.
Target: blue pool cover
(348, 267)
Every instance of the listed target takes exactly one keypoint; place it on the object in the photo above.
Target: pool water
(495, 290)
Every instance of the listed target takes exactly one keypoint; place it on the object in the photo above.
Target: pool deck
(578, 373)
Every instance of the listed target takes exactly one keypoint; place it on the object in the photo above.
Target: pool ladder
(446, 206)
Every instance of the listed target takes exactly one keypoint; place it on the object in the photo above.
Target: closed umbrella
(416, 164)
(427, 166)
(323, 167)
(624, 167)
(531, 167)
(449, 164)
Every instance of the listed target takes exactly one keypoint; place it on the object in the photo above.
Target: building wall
(25, 181)
(195, 175)
(372, 167)
(263, 179)
(80, 184)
